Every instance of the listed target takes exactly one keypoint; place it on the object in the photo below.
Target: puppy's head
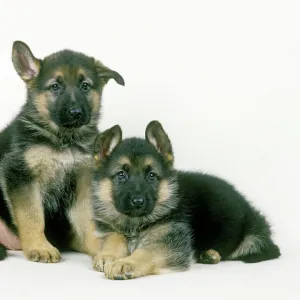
(134, 178)
(64, 89)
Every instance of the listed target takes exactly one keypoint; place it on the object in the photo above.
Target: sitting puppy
(152, 217)
(45, 155)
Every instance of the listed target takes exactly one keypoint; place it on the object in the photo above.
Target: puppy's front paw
(46, 254)
(101, 261)
(122, 269)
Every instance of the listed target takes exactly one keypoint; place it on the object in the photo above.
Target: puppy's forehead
(148, 161)
(152, 162)
(69, 57)
(137, 162)
(67, 72)
(69, 65)
(70, 73)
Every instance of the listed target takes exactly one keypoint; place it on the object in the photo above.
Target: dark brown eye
(85, 86)
(122, 176)
(55, 87)
(151, 175)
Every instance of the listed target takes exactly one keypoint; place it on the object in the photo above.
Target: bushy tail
(257, 244)
(270, 251)
(3, 252)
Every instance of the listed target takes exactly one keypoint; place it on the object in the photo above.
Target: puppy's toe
(102, 261)
(48, 255)
(122, 270)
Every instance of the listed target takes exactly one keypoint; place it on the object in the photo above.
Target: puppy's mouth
(72, 125)
(136, 213)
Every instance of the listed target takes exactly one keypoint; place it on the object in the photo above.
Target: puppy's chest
(132, 242)
(48, 164)
(134, 238)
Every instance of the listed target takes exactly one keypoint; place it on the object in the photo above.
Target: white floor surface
(74, 278)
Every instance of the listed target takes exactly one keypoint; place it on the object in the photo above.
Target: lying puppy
(152, 217)
(45, 153)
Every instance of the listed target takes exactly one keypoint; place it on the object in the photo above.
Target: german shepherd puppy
(45, 153)
(152, 217)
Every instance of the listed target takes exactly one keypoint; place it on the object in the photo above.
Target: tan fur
(29, 216)
(95, 100)
(150, 258)
(141, 262)
(92, 241)
(153, 234)
(114, 247)
(81, 72)
(81, 216)
(124, 161)
(46, 163)
(41, 104)
(164, 191)
(105, 190)
(58, 73)
(89, 243)
(120, 163)
(50, 81)
(148, 161)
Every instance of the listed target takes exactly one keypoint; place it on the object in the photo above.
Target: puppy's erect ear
(106, 73)
(26, 65)
(107, 141)
(156, 135)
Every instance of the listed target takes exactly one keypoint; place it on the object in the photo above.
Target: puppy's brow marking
(58, 73)
(124, 161)
(50, 81)
(148, 161)
(81, 72)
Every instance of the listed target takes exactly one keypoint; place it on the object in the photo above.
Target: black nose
(137, 202)
(75, 113)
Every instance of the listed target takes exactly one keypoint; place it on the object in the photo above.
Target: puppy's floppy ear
(26, 65)
(105, 73)
(107, 141)
(156, 135)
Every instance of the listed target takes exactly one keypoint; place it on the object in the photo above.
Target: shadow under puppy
(45, 154)
(152, 217)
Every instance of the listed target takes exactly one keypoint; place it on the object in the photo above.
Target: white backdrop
(223, 77)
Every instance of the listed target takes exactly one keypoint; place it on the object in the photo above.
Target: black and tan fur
(45, 153)
(152, 217)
